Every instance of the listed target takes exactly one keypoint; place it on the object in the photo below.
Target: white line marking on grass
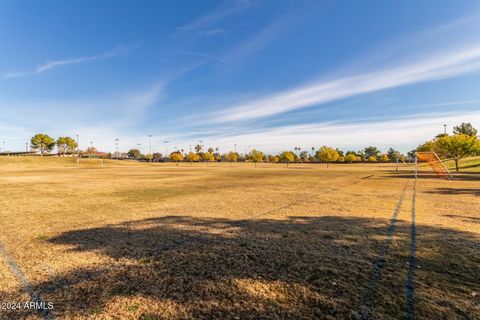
(365, 311)
(26, 286)
(412, 260)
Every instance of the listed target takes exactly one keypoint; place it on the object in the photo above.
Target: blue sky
(266, 74)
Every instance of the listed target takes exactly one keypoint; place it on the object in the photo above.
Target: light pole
(91, 149)
(26, 146)
(235, 147)
(139, 146)
(166, 147)
(116, 148)
(150, 141)
(445, 129)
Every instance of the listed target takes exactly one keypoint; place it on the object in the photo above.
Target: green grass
(471, 164)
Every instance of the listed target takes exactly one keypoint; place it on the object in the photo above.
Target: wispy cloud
(223, 11)
(196, 54)
(214, 32)
(62, 62)
(446, 65)
(402, 132)
(119, 112)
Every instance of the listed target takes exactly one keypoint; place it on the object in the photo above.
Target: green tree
(304, 156)
(427, 146)
(371, 151)
(457, 146)
(394, 155)
(134, 153)
(327, 155)
(42, 142)
(465, 128)
(198, 148)
(256, 156)
(157, 156)
(66, 144)
(361, 154)
(287, 156)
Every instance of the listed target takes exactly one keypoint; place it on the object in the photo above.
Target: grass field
(138, 241)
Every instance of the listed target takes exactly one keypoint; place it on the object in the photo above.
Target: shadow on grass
(455, 191)
(457, 176)
(300, 268)
(464, 218)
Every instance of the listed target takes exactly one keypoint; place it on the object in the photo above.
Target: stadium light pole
(150, 141)
(139, 145)
(116, 148)
(166, 147)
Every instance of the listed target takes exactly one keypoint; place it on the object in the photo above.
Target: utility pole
(150, 141)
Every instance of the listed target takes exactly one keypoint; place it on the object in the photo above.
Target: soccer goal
(434, 162)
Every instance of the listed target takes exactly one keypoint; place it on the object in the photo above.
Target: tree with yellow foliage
(176, 156)
(193, 157)
(287, 156)
(384, 158)
(256, 156)
(327, 155)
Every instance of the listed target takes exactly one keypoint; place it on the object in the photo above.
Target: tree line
(462, 143)
(324, 154)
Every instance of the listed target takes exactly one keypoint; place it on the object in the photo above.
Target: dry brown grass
(141, 241)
